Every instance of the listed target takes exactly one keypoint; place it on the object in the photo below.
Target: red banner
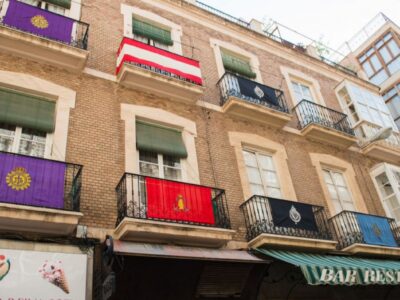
(179, 201)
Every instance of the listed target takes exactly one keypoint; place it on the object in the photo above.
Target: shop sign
(361, 276)
(33, 275)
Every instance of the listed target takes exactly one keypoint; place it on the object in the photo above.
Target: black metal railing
(348, 230)
(229, 86)
(132, 202)
(70, 173)
(79, 33)
(259, 219)
(312, 113)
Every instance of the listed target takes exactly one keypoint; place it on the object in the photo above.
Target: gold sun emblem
(180, 204)
(18, 179)
(39, 22)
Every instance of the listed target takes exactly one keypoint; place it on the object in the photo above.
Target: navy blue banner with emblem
(376, 230)
(257, 91)
(292, 214)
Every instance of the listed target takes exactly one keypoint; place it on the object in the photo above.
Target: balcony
(364, 234)
(282, 224)
(387, 149)
(164, 211)
(150, 69)
(246, 99)
(325, 125)
(43, 36)
(39, 196)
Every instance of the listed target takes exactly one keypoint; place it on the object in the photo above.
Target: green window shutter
(152, 32)
(237, 65)
(26, 111)
(159, 139)
(63, 3)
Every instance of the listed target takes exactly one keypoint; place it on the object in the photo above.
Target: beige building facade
(185, 135)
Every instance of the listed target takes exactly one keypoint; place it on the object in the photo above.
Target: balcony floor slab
(131, 229)
(372, 250)
(382, 151)
(255, 112)
(328, 136)
(292, 242)
(39, 49)
(38, 220)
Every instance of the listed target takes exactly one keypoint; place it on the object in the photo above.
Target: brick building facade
(307, 137)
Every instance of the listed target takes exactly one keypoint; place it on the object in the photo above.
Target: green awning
(158, 139)
(340, 270)
(63, 3)
(237, 65)
(152, 32)
(26, 111)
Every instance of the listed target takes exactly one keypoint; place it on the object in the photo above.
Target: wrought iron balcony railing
(282, 217)
(312, 113)
(357, 228)
(149, 198)
(38, 182)
(36, 21)
(243, 88)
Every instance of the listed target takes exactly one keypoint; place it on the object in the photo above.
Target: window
(159, 165)
(160, 151)
(150, 34)
(261, 174)
(56, 6)
(237, 65)
(392, 99)
(302, 92)
(338, 190)
(382, 59)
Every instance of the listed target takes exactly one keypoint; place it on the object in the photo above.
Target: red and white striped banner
(132, 51)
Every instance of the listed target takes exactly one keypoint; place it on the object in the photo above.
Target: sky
(330, 21)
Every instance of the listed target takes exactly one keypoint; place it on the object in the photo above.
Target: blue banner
(376, 230)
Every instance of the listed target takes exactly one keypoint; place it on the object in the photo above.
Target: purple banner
(31, 181)
(39, 22)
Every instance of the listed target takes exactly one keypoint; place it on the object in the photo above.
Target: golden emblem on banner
(376, 230)
(39, 22)
(180, 204)
(18, 179)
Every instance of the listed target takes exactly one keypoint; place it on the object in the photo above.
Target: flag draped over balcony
(175, 201)
(293, 215)
(258, 91)
(376, 230)
(39, 22)
(31, 181)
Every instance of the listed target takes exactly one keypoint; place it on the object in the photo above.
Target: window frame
(389, 170)
(264, 184)
(161, 166)
(365, 56)
(396, 87)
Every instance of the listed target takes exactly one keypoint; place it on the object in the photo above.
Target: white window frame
(131, 11)
(74, 12)
(388, 170)
(265, 186)
(301, 84)
(161, 165)
(341, 202)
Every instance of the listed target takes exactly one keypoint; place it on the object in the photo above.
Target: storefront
(151, 271)
(45, 271)
(295, 275)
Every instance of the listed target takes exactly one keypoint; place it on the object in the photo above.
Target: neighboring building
(375, 50)
(208, 160)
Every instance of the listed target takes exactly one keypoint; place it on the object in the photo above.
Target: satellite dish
(381, 134)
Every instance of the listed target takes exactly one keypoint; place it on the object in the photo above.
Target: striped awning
(340, 270)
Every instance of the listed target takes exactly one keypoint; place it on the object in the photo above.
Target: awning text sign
(363, 277)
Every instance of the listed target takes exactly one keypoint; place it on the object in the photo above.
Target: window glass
(148, 163)
(379, 77)
(158, 165)
(387, 193)
(32, 142)
(172, 167)
(385, 54)
(394, 66)
(338, 190)
(368, 69)
(55, 9)
(394, 48)
(375, 62)
(6, 137)
(261, 174)
(302, 92)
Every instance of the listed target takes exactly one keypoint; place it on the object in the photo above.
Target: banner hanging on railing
(31, 181)
(292, 215)
(175, 201)
(376, 230)
(257, 91)
(38, 21)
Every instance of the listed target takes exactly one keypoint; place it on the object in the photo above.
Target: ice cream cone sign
(4, 266)
(54, 273)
